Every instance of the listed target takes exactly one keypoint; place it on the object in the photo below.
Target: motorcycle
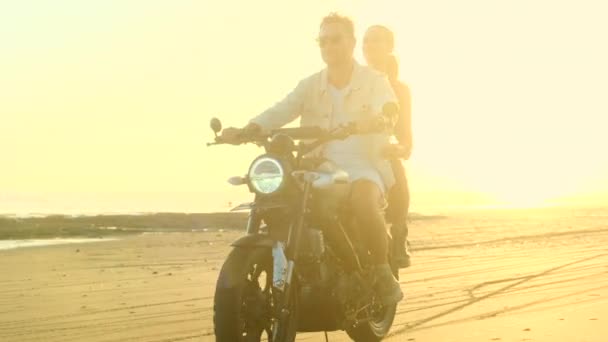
(301, 267)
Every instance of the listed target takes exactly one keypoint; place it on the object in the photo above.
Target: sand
(518, 275)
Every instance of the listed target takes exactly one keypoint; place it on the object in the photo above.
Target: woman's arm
(403, 129)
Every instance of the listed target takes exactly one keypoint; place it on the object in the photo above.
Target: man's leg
(365, 203)
(366, 198)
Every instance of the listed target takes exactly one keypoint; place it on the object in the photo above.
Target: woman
(378, 45)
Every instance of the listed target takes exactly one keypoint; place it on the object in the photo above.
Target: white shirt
(352, 154)
(310, 101)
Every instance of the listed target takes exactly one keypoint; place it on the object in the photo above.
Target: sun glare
(512, 111)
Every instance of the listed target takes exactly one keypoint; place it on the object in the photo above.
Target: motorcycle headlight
(266, 175)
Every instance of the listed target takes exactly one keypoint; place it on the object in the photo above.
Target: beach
(487, 275)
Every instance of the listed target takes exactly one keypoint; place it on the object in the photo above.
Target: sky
(104, 105)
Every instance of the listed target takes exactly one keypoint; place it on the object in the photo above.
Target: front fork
(253, 223)
(285, 257)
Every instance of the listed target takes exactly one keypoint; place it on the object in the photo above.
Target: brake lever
(259, 141)
(218, 141)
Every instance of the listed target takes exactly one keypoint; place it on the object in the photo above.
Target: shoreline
(7, 245)
(421, 211)
(112, 225)
(62, 226)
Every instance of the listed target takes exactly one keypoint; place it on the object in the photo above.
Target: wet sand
(518, 275)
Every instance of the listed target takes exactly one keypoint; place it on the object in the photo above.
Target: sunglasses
(330, 40)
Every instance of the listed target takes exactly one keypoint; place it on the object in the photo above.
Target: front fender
(254, 240)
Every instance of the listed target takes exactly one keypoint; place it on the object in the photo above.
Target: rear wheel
(383, 317)
(377, 328)
(244, 302)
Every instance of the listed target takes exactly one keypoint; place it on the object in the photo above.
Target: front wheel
(244, 308)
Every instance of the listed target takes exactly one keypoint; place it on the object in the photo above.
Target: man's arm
(282, 112)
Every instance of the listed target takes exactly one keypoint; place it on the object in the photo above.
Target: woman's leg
(399, 203)
(366, 199)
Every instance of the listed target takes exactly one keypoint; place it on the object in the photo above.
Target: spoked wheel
(377, 328)
(380, 324)
(256, 305)
(244, 304)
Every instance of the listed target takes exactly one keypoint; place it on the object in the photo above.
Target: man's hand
(236, 136)
(396, 151)
(232, 135)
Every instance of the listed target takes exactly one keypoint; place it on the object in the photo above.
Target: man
(345, 92)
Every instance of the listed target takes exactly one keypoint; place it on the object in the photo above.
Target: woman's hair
(386, 34)
(392, 68)
(392, 65)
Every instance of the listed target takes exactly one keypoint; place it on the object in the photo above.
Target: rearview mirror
(216, 125)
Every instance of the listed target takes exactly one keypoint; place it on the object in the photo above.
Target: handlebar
(298, 133)
(320, 135)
